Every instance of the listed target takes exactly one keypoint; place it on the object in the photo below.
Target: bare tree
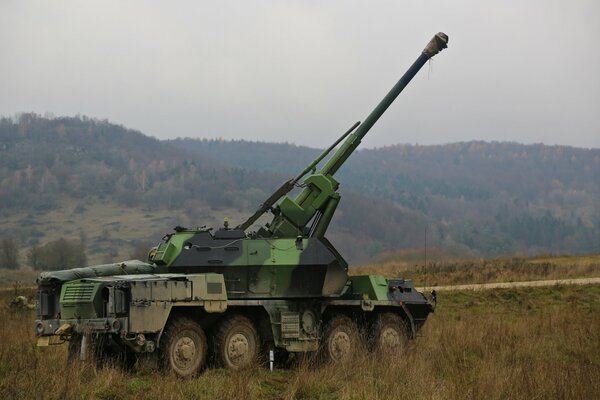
(9, 254)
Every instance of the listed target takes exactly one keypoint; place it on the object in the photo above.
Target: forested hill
(57, 174)
(41, 159)
(474, 198)
(496, 198)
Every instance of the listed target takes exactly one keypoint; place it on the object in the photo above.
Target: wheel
(236, 343)
(183, 348)
(389, 333)
(340, 338)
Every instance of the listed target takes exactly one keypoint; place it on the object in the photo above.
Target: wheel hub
(390, 338)
(185, 349)
(238, 348)
(340, 345)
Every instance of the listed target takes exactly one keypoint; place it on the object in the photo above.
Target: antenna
(425, 269)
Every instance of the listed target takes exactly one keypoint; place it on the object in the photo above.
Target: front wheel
(340, 339)
(389, 333)
(183, 348)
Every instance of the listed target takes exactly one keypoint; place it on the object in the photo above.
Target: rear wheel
(389, 333)
(183, 349)
(340, 339)
(236, 343)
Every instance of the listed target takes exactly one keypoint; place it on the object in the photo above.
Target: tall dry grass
(501, 344)
(486, 271)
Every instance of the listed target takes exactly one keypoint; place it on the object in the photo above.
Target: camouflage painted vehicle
(234, 293)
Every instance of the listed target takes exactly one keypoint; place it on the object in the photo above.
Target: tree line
(54, 255)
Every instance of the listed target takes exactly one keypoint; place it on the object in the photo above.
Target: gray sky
(304, 71)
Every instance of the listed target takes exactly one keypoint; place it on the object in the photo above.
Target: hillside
(80, 157)
(494, 198)
(118, 191)
(114, 188)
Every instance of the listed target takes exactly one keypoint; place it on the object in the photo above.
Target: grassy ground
(487, 271)
(500, 344)
(24, 276)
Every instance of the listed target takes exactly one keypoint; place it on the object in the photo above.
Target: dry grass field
(541, 343)
(486, 271)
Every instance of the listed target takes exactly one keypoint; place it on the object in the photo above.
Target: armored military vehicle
(233, 293)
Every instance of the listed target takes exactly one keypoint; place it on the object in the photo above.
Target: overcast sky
(304, 71)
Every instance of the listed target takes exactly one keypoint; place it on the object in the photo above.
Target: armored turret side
(264, 268)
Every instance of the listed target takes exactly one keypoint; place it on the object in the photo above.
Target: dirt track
(501, 285)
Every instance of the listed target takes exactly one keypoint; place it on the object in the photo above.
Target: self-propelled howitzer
(283, 286)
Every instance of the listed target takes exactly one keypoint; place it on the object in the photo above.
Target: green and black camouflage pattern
(257, 267)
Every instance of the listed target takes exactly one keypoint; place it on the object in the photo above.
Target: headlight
(39, 327)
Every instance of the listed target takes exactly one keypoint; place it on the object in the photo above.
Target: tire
(183, 348)
(339, 341)
(389, 333)
(236, 343)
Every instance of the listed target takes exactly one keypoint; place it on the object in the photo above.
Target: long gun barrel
(319, 198)
(437, 44)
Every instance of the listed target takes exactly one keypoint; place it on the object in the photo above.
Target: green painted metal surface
(80, 299)
(374, 287)
(166, 252)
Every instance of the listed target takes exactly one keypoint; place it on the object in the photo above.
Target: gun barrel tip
(437, 44)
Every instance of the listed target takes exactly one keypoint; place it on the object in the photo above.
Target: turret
(309, 214)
